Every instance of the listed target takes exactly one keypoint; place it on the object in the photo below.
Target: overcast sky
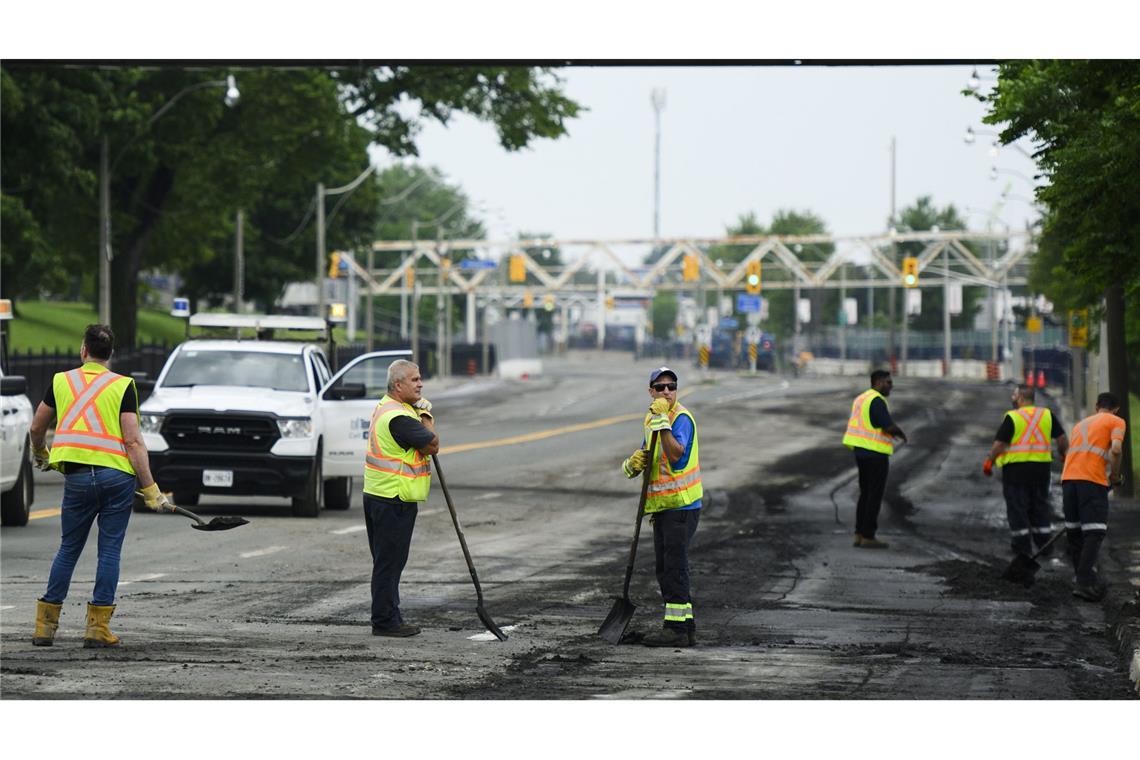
(738, 139)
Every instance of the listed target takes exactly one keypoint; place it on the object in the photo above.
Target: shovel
(1022, 569)
(218, 523)
(613, 627)
(488, 623)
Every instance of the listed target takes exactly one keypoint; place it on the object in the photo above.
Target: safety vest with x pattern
(860, 433)
(669, 488)
(1032, 433)
(88, 430)
(390, 470)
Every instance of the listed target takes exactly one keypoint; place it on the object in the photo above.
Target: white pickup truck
(16, 486)
(251, 416)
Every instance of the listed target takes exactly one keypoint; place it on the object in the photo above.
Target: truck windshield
(282, 372)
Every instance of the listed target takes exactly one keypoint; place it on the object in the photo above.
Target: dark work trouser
(1085, 505)
(390, 527)
(1030, 515)
(673, 532)
(873, 472)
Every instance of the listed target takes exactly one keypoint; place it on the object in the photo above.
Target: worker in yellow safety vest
(870, 433)
(397, 476)
(673, 503)
(1023, 449)
(99, 449)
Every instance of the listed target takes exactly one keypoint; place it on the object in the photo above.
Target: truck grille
(220, 432)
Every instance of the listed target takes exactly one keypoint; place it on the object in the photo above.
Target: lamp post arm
(161, 112)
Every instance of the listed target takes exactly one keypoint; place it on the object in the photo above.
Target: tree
(179, 181)
(1085, 119)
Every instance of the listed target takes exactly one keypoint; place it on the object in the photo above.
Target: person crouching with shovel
(673, 502)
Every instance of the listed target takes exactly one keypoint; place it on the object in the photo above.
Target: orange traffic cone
(1029, 377)
(1041, 379)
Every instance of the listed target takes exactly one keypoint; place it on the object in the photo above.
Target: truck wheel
(308, 502)
(338, 493)
(16, 505)
(186, 498)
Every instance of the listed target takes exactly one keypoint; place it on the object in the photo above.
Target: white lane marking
(353, 529)
(753, 393)
(262, 552)
(491, 495)
(141, 578)
(12, 606)
(488, 636)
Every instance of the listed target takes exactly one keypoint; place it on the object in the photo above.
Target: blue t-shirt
(683, 433)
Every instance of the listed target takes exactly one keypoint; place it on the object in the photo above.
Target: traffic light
(410, 276)
(518, 268)
(910, 272)
(691, 267)
(548, 302)
(334, 264)
(528, 300)
(752, 277)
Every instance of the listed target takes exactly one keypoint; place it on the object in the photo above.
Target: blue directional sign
(477, 264)
(746, 304)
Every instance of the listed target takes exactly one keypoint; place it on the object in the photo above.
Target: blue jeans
(102, 493)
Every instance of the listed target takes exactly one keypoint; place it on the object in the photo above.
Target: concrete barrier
(961, 369)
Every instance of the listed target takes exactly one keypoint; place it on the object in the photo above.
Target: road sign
(477, 264)
(746, 303)
(752, 335)
(1033, 324)
(1079, 328)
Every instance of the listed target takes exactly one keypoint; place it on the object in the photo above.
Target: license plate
(218, 478)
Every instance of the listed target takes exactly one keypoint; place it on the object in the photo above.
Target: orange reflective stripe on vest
(84, 434)
(860, 434)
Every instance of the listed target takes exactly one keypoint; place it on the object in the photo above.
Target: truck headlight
(150, 423)
(297, 427)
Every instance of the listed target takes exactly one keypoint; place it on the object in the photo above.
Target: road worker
(1022, 448)
(397, 476)
(673, 502)
(100, 451)
(1092, 466)
(869, 435)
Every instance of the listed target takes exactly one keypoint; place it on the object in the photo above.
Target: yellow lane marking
(39, 514)
(541, 434)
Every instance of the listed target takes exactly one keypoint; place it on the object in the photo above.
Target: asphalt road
(786, 608)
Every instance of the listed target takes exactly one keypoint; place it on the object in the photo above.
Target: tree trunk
(1118, 373)
(127, 263)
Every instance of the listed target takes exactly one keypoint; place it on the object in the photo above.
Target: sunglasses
(659, 387)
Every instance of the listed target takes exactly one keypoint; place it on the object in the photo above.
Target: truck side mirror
(13, 385)
(344, 391)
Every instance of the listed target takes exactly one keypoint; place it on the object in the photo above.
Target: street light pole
(107, 167)
(320, 200)
(239, 261)
(657, 97)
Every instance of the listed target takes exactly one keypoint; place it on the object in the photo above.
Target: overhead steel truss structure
(944, 256)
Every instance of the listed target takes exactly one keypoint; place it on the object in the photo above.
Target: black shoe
(402, 631)
(1090, 593)
(668, 637)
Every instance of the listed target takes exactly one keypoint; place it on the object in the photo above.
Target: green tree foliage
(1085, 119)
(663, 313)
(178, 180)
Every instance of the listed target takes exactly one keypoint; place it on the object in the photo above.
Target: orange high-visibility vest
(1090, 444)
(88, 430)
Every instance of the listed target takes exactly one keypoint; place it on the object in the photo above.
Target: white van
(262, 415)
(17, 488)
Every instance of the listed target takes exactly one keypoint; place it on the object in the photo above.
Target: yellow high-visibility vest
(1032, 431)
(390, 470)
(860, 433)
(88, 429)
(670, 488)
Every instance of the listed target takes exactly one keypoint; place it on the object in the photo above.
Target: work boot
(402, 631)
(871, 543)
(858, 539)
(98, 634)
(47, 621)
(668, 637)
(1093, 593)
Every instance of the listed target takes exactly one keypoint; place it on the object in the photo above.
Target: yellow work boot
(858, 539)
(98, 632)
(871, 543)
(47, 621)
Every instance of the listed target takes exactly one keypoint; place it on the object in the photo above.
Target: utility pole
(104, 234)
(320, 250)
(892, 293)
(368, 317)
(239, 261)
(657, 97)
(946, 309)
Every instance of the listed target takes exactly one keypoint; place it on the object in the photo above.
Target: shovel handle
(640, 514)
(458, 529)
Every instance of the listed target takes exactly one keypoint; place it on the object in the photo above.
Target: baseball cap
(659, 372)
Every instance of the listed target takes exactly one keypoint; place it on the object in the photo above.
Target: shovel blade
(489, 624)
(221, 523)
(613, 627)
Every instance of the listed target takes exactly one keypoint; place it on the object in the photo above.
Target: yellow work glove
(634, 464)
(659, 406)
(423, 408)
(40, 459)
(155, 499)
